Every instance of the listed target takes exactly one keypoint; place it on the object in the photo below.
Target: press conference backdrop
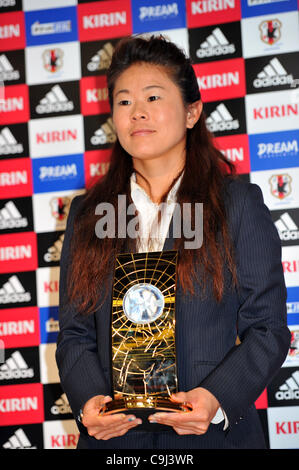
(55, 141)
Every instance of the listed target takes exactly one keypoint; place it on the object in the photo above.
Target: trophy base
(144, 406)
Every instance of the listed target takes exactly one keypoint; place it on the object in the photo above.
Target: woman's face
(149, 115)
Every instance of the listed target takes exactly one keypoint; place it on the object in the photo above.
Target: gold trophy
(143, 334)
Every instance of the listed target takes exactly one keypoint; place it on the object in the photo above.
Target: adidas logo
(12, 291)
(18, 440)
(55, 101)
(221, 120)
(287, 228)
(11, 218)
(104, 135)
(61, 406)
(215, 44)
(15, 368)
(101, 60)
(290, 389)
(54, 251)
(273, 74)
(6, 70)
(8, 144)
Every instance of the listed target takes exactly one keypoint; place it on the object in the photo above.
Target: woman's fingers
(113, 430)
(105, 426)
(193, 422)
(117, 433)
(94, 419)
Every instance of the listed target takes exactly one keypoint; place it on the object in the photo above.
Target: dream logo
(274, 150)
(153, 16)
(65, 172)
(158, 11)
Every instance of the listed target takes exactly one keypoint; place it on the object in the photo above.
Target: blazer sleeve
(80, 371)
(262, 321)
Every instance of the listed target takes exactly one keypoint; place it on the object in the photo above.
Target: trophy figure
(143, 334)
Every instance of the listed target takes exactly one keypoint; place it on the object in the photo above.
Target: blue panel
(293, 305)
(48, 324)
(51, 26)
(266, 7)
(58, 173)
(157, 15)
(274, 150)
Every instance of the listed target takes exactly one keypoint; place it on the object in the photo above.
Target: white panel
(53, 63)
(286, 33)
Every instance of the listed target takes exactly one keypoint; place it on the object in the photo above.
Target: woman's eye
(126, 102)
(123, 102)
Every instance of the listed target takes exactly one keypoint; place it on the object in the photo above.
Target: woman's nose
(139, 113)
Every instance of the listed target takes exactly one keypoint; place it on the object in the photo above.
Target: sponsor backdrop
(55, 141)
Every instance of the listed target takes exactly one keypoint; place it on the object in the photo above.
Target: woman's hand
(197, 421)
(106, 427)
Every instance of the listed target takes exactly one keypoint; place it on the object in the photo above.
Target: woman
(231, 332)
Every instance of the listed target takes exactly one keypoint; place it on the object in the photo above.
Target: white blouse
(152, 235)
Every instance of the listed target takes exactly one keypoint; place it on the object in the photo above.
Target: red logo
(12, 31)
(96, 164)
(281, 186)
(208, 12)
(50, 287)
(14, 107)
(94, 95)
(18, 252)
(276, 111)
(100, 20)
(270, 31)
(59, 208)
(221, 80)
(21, 404)
(19, 327)
(52, 137)
(64, 441)
(291, 266)
(53, 59)
(287, 427)
(236, 149)
(15, 177)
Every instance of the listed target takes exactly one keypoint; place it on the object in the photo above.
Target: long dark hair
(206, 170)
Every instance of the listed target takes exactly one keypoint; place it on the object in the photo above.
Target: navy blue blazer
(206, 331)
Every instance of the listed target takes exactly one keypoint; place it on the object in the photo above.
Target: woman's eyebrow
(145, 88)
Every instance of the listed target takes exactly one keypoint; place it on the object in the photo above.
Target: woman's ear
(193, 113)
